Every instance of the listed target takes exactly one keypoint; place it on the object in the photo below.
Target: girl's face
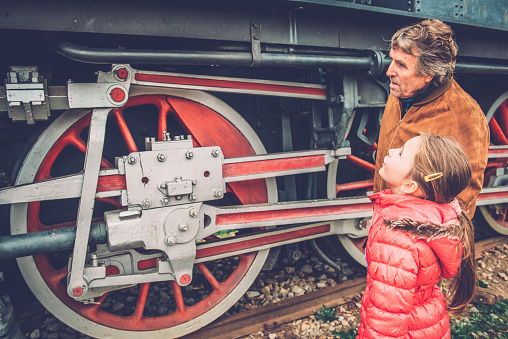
(398, 163)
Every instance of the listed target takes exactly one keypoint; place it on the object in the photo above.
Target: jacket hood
(397, 206)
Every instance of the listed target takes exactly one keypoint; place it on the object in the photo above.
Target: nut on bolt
(217, 194)
(192, 197)
(161, 157)
(171, 240)
(183, 227)
(147, 203)
(165, 201)
(189, 154)
(215, 152)
(131, 159)
(193, 212)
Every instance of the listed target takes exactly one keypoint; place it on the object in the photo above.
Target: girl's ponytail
(463, 286)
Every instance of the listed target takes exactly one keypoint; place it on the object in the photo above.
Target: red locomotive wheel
(60, 151)
(496, 216)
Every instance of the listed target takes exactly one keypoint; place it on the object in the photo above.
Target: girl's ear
(410, 187)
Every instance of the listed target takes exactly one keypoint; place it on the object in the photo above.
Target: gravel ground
(286, 280)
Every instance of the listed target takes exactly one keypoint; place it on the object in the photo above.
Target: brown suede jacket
(447, 111)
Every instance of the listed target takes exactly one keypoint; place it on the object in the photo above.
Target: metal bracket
(255, 39)
(342, 94)
(27, 95)
(111, 89)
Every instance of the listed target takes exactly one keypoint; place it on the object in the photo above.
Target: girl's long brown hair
(443, 155)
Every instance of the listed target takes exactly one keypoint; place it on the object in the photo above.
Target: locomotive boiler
(138, 137)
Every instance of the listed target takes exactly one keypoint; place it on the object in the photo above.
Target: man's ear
(429, 78)
(409, 187)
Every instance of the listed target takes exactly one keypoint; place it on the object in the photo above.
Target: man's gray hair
(431, 41)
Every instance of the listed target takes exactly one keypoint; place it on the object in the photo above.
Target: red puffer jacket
(412, 242)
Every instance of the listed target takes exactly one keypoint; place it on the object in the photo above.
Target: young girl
(417, 235)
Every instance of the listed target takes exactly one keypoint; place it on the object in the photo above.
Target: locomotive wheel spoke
(124, 130)
(209, 277)
(141, 302)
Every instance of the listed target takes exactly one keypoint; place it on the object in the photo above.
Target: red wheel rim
(196, 119)
(498, 125)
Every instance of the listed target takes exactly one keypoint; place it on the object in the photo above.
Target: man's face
(404, 79)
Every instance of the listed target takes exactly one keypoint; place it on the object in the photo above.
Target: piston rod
(21, 245)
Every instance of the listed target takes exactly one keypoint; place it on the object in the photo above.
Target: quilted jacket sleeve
(392, 277)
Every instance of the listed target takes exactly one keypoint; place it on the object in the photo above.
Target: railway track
(272, 315)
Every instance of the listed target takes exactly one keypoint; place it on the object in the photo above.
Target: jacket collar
(407, 207)
(436, 93)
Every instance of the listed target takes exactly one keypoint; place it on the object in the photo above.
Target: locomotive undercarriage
(162, 222)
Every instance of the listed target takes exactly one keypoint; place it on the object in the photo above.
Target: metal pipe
(464, 67)
(21, 245)
(111, 56)
(375, 63)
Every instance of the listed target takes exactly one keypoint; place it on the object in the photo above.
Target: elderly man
(424, 97)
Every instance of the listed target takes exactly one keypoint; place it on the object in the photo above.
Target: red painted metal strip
(301, 213)
(169, 79)
(252, 243)
(493, 195)
(268, 166)
(111, 183)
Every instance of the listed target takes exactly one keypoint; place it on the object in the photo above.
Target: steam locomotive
(143, 143)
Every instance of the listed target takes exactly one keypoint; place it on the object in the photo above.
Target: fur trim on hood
(427, 230)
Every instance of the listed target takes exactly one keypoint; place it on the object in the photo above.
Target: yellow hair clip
(433, 176)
